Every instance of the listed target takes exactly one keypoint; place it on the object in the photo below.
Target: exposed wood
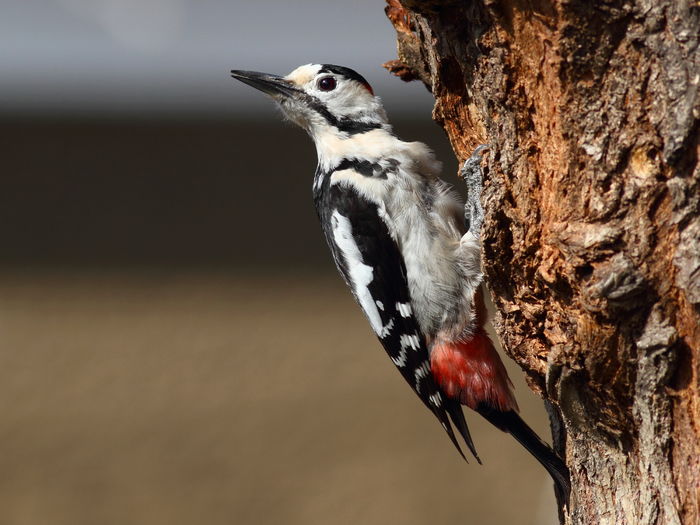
(592, 231)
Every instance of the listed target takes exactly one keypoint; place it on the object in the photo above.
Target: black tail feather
(512, 423)
(454, 409)
(444, 419)
(448, 428)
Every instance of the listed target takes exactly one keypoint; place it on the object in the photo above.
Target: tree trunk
(592, 231)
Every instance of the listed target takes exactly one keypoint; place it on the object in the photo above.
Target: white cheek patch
(360, 274)
(350, 99)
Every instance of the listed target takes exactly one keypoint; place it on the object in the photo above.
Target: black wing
(371, 264)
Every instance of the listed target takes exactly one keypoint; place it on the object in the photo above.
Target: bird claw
(472, 166)
(480, 148)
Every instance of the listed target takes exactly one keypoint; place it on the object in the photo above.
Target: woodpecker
(407, 248)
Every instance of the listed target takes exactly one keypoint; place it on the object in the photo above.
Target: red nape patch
(472, 372)
(368, 88)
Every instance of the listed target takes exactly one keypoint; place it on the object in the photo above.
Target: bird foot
(473, 177)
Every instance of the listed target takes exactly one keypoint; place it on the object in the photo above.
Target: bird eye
(326, 84)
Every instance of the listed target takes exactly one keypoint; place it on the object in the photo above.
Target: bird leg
(471, 173)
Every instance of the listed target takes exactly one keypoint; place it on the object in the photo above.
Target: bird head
(322, 98)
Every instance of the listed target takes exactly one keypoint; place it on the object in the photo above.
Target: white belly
(442, 267)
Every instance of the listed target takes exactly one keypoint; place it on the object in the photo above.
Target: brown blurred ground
(149, 375)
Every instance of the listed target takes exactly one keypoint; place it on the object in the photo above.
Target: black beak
(270, 84)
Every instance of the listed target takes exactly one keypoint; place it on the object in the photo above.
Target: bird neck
(332, 146)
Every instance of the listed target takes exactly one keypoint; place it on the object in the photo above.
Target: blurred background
(176, 345)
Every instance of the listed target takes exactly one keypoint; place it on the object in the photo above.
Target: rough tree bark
(592, 234)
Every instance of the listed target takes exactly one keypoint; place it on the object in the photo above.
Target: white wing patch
(406, 341)
(436, 399)
(409, 341)
(386, 329)
(404, 309)
(420, 373)
(361, 274)
(401, 360)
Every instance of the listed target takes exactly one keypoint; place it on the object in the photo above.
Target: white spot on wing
(409, 341)
(436, 399)
(404, 309)
(406, 341)
(401, 360)
(420, 373)
(386, 329)
(380, 305)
